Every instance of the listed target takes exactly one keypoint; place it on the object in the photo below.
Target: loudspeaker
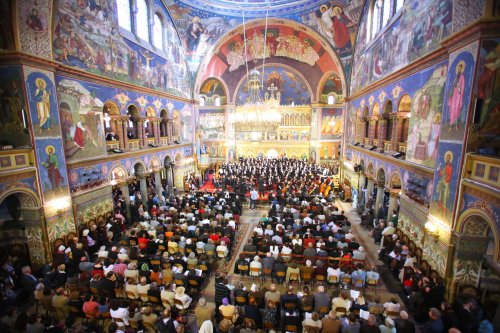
(372, 148)
(116, 150)
(356, 144)
(397, 154)
(177, 141)
(152, 145)
(477, 111)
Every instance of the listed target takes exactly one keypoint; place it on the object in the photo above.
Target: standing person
(435, 324)
(254, 196)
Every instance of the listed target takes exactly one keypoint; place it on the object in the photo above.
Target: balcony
(133, 144)
(15, 159)
(483, 169)
(387, 146)
(112, 145)
(367, 142)
(164, 141)
(402, 147)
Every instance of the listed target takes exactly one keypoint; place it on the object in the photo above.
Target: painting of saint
(456, 97)
(42, 98)
(333, 24)
(443, 187)
(193, 33)
(433, 139)
(52, 166)
(34, 21)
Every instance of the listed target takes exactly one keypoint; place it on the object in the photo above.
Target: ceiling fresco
(202, 23)
(287, 43)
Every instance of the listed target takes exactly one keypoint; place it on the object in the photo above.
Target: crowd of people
(148, 273)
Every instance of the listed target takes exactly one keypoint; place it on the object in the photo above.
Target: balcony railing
(387, 146)
(483, 169)
(15, 159)
(402, 147)
(133, 144)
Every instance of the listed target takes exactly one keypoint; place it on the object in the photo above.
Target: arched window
(141, 20)
(158, 32)
(375, 19)
(399, 4)
(331, 100)
(202, 101)
(124, 18)
(217, 101)
(386, 12)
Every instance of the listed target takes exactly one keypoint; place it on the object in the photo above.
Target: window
(217, 101)
(158, 32)
(331, 100)
(375, 19)
(382, 11)
(202, 101)
(386, 12)
(124, 20)
(141, 20)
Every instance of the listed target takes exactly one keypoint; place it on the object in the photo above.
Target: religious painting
(81, 115)
(85, 35)
(425, 120)
(34, 22)
(293, 89)
(493, 174)
(212, 124)
(332, 123)
(42, 102)
(487, 109)
(446, 181)
(480, 168)
(332, 87)
(51, 168)
(408, 38)
(185, 123)
(14, 125)
(210, 91)
(457, 97)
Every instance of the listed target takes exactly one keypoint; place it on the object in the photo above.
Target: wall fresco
(34, 19)
(212, 89)
(212, 124)
(14, 126)
(487, 92)
(408, 38)
(458, 93)
(333, 87)
(332, 123)
(288, 83)
(87, 36)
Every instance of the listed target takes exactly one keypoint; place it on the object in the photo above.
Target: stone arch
(375, 110)
(404, 104)
(381, 176)
(111, 108)
(117, 172)
(395, 181)
(150, 112)
(221, 81)
(370, 170)
(138, 166)
(155, 163)
(178, 158)
(387, 107)
(26, 196)
(321, 86)
(477, 222)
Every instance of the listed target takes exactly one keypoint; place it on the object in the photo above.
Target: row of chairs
(300, 259)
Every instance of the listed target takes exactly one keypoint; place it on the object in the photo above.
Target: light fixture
(432, 231)
(60, 205)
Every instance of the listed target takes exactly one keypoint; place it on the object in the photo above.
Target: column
(119, 131)
(158, 186)
(380, 198)
(140, 133)
(393, 204)
(360, 130)
(144, 190)
(397, 128)
(170, 180)
(382, 128)
(126, 194)
(169, 131)
(369, 189)
(156, 127)
(125, 132)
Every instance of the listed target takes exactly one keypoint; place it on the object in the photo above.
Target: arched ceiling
(335, 20)
(290, 44)
(252, 8)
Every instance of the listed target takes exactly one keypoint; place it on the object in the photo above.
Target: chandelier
(257, 114)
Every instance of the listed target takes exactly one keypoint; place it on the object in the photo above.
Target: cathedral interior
(126, 120)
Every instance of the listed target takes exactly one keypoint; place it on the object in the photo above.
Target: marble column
(156, 127)
(380, 198)
(125, 133)
(397, 129)
(393, 204)
(144, 190)
(126, 194)
(140, 133)
(169, 131)
(170, 180)
(382, 128)
(158, 187)
(369, 188)
(119, 131)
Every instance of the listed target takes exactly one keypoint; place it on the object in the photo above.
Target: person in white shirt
(359, 254)
(117, 311)
(255, 264)
(143, 289)
(392, 306)
(258, 230)
(181, 296)
(222, 248)
(333, 271)
(167, 296)
(254, 196)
